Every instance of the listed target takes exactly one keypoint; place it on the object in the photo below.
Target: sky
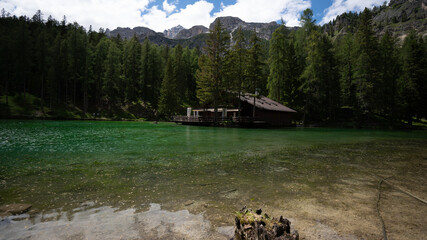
(165, 14)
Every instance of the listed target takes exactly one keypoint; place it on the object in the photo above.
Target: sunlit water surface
(60, 166)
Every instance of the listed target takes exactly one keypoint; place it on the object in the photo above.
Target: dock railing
(194, 119)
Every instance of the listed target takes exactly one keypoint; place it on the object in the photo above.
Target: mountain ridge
(398, 17)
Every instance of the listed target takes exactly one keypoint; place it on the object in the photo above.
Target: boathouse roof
(266, 103)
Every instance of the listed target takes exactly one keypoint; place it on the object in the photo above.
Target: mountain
(127, 33)
(398, 17)
(195, 36)
(189, 33)
(196, 41)
(264, 30)
(171, 33)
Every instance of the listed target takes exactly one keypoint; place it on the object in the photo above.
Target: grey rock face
(189, 33)
(127, 33)
(171, 33)
(231, 24)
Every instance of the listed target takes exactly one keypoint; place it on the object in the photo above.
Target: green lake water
(62, 164)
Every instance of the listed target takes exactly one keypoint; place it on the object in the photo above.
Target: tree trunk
(7, 88)
(42, 95)
(253, 111)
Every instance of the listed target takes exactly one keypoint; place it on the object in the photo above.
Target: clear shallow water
(62, 164)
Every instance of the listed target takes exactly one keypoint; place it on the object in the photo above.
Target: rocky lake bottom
(130, 180)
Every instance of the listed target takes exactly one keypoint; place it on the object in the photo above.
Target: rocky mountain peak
(127, 33)
(189, 33)
(229, 23)
(171, 33)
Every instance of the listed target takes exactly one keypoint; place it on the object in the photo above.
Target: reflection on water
(61, 164)
(110, 223)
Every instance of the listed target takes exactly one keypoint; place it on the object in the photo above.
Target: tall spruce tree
(389, 72)
(346, 55)
(366, 72)
(131, 68)
(321, 82)
(278, 64)
(413, 81)
(236, 72)
(99, 68)
(210, 77)
(169, 96)
(255, 76)
(179, 73)
(112, 77)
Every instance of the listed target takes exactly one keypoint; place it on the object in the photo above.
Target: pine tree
(366, 72)
(168, 102)
(23, 62)
(146, 78)
(346, 55)
(190, 57)
(389, 70)
(178, 67)
(151, 73)
(112, 77)
(321, 84)
(255, 76)
(41, 56)
(278, 64)
(236, 64)
(131, 68)
(211, 73)
(101, 53)
(413, 82)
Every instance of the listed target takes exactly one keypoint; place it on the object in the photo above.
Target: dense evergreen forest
(61, 70)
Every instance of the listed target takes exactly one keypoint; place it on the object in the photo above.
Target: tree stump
(250, 225)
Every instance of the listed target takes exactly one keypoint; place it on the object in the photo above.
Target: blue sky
(164, 14)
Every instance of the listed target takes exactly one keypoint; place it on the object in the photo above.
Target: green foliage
(236, 74)
(169, 96)
(131, 68)
(283, 81)
(211, 74)
(320, 79)
(346, 54)
(255, 76)
(366, 72)
(389, 68)
(58, 69)
(412, 84)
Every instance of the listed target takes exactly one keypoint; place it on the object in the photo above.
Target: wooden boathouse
(268, 113)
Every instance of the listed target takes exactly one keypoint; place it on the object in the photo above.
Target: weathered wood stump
(250, 225)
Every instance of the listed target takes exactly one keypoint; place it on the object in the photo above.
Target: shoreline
(344, 125)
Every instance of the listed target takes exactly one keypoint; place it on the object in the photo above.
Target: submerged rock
(14, 209)
(255, 225)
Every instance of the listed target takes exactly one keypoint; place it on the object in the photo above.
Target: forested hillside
(61, 70)
(58, 69)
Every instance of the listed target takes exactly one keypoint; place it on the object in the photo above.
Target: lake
(110, 180)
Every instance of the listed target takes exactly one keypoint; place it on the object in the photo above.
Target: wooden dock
(220, 121)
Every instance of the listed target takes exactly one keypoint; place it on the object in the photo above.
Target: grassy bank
(29, 107)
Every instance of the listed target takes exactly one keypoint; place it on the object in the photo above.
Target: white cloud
(163, 14)
(266, 11)
(168, 7)
(98, 13)
(341, 6)
(198, 13)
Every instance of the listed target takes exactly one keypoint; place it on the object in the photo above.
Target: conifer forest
(57, 69)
